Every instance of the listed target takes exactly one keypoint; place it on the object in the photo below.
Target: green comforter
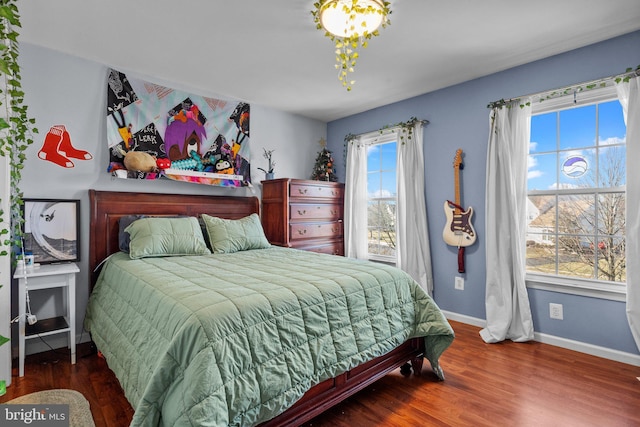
(235, 339)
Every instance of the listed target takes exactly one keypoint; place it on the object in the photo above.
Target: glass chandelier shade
(342, 19)
(350, 24)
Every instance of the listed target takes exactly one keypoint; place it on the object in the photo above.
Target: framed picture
(51, 230)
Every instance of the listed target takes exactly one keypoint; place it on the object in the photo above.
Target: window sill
(587, 288)
(382, 259)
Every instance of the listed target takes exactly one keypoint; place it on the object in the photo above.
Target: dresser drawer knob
(302, 190)
(302, 232)
(302, 212)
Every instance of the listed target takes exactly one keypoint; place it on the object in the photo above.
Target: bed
(251, 334)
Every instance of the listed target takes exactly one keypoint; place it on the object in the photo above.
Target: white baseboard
(594, 350)
(37, 346)
(463, 318)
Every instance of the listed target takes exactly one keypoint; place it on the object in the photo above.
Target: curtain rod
(567, 90)
(365, 134)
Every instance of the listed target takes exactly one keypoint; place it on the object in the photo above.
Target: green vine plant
(623, 78)
(507, 103)
(407, 126)
(348, 138)
(347, 46)
(628, 74)
(16, 127)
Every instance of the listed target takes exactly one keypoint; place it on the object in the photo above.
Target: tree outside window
(382, 197)
(576, 204)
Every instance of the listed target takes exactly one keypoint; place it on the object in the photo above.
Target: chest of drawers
(304, 214)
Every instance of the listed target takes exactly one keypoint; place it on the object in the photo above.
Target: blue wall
(459, 118)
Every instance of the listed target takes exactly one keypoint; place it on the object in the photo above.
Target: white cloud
(573, 153)
(533, 146)
(381, 194)
(532, 162)
(534, 174)
(372, 149)
(613, 140)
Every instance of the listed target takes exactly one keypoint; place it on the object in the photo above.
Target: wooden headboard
(107, 207)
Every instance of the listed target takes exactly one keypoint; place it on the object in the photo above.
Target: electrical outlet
(459, 283)
(555, 311)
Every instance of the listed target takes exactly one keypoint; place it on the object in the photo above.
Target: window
(576, 194)
(381, 198)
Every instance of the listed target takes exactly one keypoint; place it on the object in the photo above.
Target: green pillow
(232, 235)
(154, 237)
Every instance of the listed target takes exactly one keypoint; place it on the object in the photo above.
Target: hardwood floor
(507, 384)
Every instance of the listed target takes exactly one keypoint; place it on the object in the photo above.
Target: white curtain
(413, 252)
(629, 96)
(355, 201)
(507, 301)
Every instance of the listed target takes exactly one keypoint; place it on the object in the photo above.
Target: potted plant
(271, 164)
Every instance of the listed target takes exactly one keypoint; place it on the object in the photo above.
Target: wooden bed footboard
(333, 391)
(108, 207)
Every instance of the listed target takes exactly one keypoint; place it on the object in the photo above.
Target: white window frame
(572, 285)
(369, 140)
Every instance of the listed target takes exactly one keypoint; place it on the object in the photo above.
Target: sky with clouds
(580, 134)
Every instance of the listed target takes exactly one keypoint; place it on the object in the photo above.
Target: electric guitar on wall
(458, 230)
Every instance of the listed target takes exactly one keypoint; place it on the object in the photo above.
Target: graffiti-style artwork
(155, 132)
(58, 149)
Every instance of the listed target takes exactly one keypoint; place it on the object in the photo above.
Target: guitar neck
(456, 183)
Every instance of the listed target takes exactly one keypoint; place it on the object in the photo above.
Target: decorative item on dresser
(304, 214)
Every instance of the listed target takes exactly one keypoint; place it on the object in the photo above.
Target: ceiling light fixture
(350, 24)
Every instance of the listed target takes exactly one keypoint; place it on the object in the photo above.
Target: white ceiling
(270, 53)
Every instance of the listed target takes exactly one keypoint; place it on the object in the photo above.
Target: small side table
(47, 276)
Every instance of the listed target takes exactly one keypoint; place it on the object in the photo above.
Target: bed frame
(106, 209)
